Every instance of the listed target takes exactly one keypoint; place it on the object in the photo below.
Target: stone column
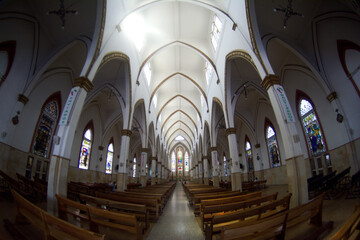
(158, 171)
(206, 169)
(294, 157)
(143, 161)
(60, 158)
(124, 154)
(201, 180)
(236, 184)
(153, 170)
(196, 173)
(215, 163)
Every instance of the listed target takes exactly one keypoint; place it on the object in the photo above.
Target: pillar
(236, 184)
(294, 158)
(60, 158)
(206, 169)
(215, 163)
(153, 170)
(201, 180)
(158, 172)
(143, 161)
(121, 176)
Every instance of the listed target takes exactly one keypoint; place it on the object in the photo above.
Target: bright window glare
(179, 138)
(147, 71)
(134, 26)
(155, 101)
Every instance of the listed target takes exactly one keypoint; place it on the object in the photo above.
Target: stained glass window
(109, 158)
(311, 127)
(186, 162)
(173, 162)
(134, 167)
(45, 129)
(85, 150)
(272, 145)
(225, 167)
(180, 160)
(248, 154)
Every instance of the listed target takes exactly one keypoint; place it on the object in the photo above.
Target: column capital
(144, 150)
(213, 149)
(153, 158)
(126, 132)
(23, 99)
(269, 81)
(230, 131)
(84, 83)
(204, 157)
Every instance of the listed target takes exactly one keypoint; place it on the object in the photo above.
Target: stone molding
(270, 80)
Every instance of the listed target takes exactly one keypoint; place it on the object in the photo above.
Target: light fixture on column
(288, 12)
(61, 12)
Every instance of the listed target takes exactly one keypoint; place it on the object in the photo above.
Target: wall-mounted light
(339, 117)
(15, 119)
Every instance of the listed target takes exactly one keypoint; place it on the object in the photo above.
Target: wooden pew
(299, 216)
(199, 197)
(139, 210)
(237, 218)
(351, 228)
(151, 204)
(207, 212)
(254, 185)
(309, 212)
(50, 226)
(97, 216)
(268, 228)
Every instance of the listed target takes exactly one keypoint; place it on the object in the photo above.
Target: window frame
(267, 124)
(107, 152)
(89, 126)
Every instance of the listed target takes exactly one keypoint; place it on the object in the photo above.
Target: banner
(68, 106)
(285, 106)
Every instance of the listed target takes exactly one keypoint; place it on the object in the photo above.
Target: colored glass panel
(249, 156)
(173, 162)
(109, 158)
(45, 129)
(225, 167)
(134, 168)
(312, 129)
(273, 147)
(186, 162)
(85, 150)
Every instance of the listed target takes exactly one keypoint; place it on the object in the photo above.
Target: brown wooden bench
(208, 212)
(254, 185)
(151, 204)
(351, 228)
(50, 226)
(200, 197)
(97, 216)
(311, 213)
(268, 228)
(139, 210)
(237, 218)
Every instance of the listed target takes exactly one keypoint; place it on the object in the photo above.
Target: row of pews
(335, 184)
(128, 214)
(35, 190)
(253, 215)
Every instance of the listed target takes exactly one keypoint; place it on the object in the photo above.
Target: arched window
(225, 166)
(109, 157)
(186, 162)
(180, 159)
(134, 167)
(272, 145)
(45, 128)
(311, 126)
(85, 151)
(248, 154)
(173, 162)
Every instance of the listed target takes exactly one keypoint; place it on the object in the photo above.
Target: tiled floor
(178, 221)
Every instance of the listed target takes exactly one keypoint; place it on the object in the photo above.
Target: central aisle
(177, 221)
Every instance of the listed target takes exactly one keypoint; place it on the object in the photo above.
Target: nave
(178, 221)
